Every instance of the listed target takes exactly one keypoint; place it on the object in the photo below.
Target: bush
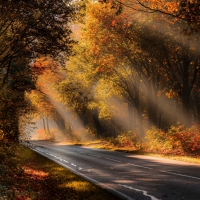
(126, 140)
(157, 141)
(189, 139)
(177, 140)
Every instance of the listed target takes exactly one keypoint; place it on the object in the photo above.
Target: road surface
(132, 177)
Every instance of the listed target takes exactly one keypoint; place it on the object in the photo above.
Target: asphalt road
(129, 176)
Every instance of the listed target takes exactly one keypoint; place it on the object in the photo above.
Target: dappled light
(59, 122)
(78, 185)
(35, 173)
(73, 119)
(125, 116)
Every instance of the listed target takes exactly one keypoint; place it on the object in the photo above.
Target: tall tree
(29, 30)
(148, 45)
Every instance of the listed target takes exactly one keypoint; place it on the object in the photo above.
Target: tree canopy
(134, 62)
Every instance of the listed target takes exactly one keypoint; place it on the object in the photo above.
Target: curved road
(129, 176)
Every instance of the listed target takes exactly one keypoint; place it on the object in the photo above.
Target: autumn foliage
(177, 140)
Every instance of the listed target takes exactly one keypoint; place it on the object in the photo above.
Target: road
(129, 176)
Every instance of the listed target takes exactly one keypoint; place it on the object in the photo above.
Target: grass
(35, 177)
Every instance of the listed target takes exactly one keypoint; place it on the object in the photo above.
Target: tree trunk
(44, 125)
(130, 116)
(84, 118)
(186, 92)
(47, 125)
(186, 119)
(97, 123)
(61, 125)
(152, 106)
(140, 124)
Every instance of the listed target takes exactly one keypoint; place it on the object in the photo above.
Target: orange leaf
(113, 22)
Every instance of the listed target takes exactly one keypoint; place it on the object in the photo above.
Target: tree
(34, 28)
(184, 10)
(147, 46)
(100, 56)
(29, 30)
(177, 58)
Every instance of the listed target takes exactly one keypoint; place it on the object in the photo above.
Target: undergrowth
(176, 143)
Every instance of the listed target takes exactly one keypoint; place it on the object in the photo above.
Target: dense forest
(102, 69)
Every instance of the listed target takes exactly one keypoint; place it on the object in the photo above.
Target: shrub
(157, 141)
(126, 140)
(189, 139)
(177, 140)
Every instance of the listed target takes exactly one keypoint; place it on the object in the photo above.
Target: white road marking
(113, 160)
(56, 157)
(143, 191)
(80, 168)
(89, 179)
(73, 164)
(180, 174)
(140, 166)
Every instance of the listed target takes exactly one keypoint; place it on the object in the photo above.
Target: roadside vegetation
(26, 175)
(177, 143)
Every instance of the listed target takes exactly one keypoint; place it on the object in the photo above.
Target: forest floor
(30, 176)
